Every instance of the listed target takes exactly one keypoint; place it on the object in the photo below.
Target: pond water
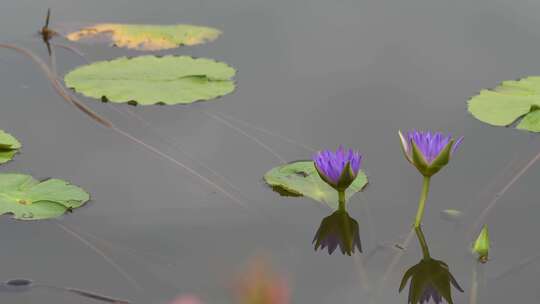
(322, 73)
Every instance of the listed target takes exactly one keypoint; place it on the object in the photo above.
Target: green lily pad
(29, 199)
(300, 178)
(451, 215)
(512, 101)
(150, 80)
(9, 146)
(145, 37)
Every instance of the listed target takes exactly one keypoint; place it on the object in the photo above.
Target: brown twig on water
(106, 123)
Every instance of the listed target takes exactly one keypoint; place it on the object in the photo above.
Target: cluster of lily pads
(151, 79)
(29, 199)
(140, 80)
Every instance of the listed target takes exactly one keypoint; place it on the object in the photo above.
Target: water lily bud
(482, 244)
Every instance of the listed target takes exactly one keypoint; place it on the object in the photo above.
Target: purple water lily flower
(428, 151)
(338, 169)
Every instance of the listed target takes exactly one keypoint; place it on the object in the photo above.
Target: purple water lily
(428, 151)
(338, 169)
(430, 144)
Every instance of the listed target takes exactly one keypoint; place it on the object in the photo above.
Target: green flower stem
(422, 202)
(341, 196)
(423, 243)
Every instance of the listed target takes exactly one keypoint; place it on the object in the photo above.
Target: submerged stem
(109, 260)
(394, 262)
(422, 202)
(499, 194)
(473, 295)
(265, 131)
(174, 143)
(422, 241)
(85, 293)
(253, 138)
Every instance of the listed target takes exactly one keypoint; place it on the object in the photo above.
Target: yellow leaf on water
(145, 37)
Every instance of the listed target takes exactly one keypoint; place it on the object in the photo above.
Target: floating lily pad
(145, 37)
(29, 199)
(153, 80)
(301, 179)
(451, 215)
(9, 146)
(513, 101)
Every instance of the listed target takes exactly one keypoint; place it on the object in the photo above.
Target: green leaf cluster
(9, 146)
(29, 199)
(512, 102)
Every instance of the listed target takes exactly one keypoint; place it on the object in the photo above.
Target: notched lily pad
(300, 178)
(512, 102)
(9, 146)
(144, 37)
(29, 199)
(151, 80)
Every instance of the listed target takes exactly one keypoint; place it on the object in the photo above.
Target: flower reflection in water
(338, 229)
(430, 278)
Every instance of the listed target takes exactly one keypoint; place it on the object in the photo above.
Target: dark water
(321, 72)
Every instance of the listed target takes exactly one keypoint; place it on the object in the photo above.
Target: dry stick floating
(363, 275)
(394, 262)
(176, 145)
(71, 99)
(109, 260)
(499, 194)
(71, 49)
(20, 285)
(84, 293)
(516, 268)
(255, 139)
(484, 193)
(173, 143)
(56, 84)
(267, 132)
(130, 251)
(367, 210)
